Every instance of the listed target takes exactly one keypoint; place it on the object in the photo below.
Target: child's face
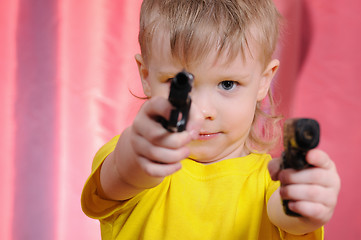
(225, 94)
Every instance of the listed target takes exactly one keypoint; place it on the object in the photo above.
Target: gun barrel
(180, 88)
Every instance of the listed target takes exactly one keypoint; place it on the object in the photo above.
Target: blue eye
(227, 85)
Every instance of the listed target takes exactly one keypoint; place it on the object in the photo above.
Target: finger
(310, 193)
(315, 176)
(158, 136)
(165, 139)
(319, 158)
(150, 114)
(316, 211)
(158, 106)
(274, 168)
(145, 149)
(147, 126)
(172, 140)
(157, 169)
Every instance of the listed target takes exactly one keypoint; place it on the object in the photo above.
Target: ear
(143, 73)
(267, 77)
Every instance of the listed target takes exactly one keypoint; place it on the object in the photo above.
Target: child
(212, 180)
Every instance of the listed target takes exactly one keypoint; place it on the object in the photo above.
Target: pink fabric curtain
(66, 72)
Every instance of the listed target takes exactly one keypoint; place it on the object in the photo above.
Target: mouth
(204, 136)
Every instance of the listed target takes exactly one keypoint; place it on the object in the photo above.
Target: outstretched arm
(312, 193)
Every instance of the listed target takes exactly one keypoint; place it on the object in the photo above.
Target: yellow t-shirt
(223, 200)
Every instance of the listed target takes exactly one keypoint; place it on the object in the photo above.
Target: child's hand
(313, 191)
(157, 151)
(146, 152)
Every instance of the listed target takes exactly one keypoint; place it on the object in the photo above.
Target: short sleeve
(272, 187)
(316, 235)
(92, 204)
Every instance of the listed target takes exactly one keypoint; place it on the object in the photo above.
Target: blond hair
(196, 27)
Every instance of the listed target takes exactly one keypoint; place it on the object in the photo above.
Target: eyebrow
(168, 74)
(164, 76)
(224, 76)
(236, 76)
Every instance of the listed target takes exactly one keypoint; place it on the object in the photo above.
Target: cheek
(238, 115)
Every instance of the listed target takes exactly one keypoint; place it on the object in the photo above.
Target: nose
(205, 103)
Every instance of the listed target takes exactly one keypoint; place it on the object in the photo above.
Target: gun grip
(174, 124)
(300, 136)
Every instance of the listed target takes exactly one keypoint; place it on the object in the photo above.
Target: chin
(204, 158)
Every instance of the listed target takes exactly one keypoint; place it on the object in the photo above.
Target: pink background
(66, 68)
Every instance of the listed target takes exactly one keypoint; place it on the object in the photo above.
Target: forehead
(161, 51)
(215, 65)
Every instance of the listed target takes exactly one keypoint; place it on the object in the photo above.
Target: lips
(203, 136)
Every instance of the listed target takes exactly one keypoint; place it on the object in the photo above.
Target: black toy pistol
(180, 88)
(300, 135)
